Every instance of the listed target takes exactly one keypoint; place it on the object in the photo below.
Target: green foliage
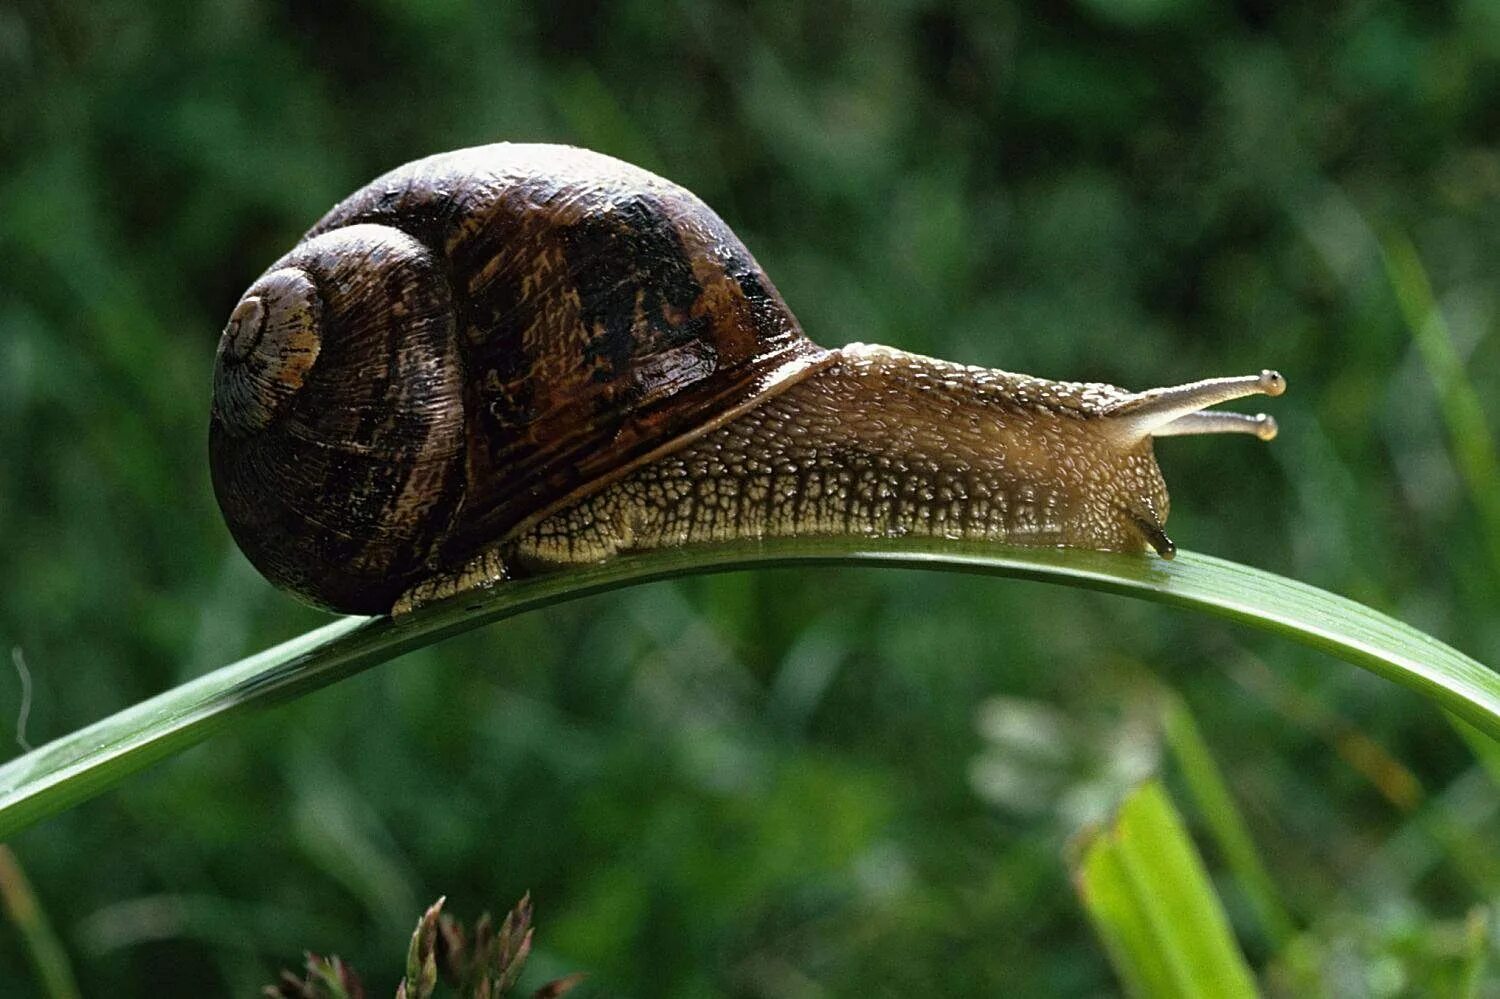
(1231, 832)
(326, 978)
(1145, 888)
(792, 781)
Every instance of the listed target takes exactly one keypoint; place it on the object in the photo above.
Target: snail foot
(479, 573)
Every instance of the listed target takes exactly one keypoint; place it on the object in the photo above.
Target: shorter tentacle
(1152, 530)
(1261, 425)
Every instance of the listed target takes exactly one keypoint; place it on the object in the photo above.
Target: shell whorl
(336, 439)
(267, 349)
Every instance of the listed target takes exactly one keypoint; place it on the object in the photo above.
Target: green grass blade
(1469, 436)
(35, 930)
(80, 765)
(1105, 888)
(1150, 899)
(1211, 795)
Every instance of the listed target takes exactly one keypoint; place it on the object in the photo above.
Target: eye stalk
(1178, 410)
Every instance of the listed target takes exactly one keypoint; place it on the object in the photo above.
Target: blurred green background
(791, 783)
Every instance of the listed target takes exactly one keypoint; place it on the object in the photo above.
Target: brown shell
(572, 316)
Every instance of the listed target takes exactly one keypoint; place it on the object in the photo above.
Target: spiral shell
(469, 343)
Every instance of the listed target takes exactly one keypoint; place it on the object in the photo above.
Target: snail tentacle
(1144, 413)
(1261, 425)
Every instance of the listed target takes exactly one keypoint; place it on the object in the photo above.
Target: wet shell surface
(468, 343)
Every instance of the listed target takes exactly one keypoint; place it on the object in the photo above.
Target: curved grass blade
(87, 762)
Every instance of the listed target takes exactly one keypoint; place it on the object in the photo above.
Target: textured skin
(469, 343)
(883, 443)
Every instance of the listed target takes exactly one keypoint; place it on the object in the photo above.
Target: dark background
(790, 783)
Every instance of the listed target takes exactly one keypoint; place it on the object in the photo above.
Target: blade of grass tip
(86, 762)
(42, 946)
(1210, 793)
(1468, 433)
(1163, 913)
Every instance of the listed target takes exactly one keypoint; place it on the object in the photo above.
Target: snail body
(512, 358)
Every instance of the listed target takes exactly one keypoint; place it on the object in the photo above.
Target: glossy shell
(469, 343)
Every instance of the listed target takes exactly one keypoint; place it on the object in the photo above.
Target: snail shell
(463, 345)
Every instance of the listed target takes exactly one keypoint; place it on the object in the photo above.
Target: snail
(514, 358)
